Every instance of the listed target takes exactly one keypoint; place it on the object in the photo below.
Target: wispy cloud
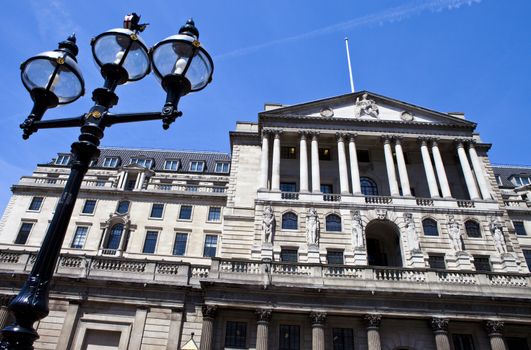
(53, 18)
(391, 15)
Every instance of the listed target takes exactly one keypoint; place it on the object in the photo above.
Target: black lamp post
(53, 78)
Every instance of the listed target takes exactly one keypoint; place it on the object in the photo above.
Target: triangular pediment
(366, 106)
(190, 345)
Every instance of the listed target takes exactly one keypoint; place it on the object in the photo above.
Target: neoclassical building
(353, 222)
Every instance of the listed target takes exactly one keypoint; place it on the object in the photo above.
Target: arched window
(430, 227)
(368, 186)
(289, 221)
(333, 223)
(472, 229)
(123, 207)
(115, 236)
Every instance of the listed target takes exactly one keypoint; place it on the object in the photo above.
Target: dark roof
(506, 171)
(159, 156)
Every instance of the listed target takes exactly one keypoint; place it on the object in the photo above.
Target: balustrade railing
(328, 197)
(425, 202)
(515, 203)
(59, 181)
(465, 204)
(378, 199)
(186, 188)
(290, 195)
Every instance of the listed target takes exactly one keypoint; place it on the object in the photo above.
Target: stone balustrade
(61, 181)
(186, 188)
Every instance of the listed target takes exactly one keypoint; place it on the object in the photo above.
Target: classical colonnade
(318, 321)
(436, 178)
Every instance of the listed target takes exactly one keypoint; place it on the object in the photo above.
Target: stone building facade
(354, 222)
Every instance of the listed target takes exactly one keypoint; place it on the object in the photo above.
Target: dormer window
(520, 180)
(143, 162)
(63, 159)
(222, 167)
(171, 165)
(110, 162)
(197, 166)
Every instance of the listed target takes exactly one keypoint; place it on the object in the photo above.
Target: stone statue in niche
(366, 106)
(358, 239)
(496, 229)
(268, 224)
(312, 227)
(454, 230)
(411, 233)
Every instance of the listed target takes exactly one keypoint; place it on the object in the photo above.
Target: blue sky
(447, 55)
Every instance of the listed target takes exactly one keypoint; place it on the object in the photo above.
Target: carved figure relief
(411, 233)
(358, 239)
(407, 116)
(312, 227)
(268, 224)
(366, 106)
(454, 230)
(496, 229)
(381, 214)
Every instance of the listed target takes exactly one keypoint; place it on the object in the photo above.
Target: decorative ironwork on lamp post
(54, 78)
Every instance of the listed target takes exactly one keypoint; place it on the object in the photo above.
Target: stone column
(275, 167)
(441, 173)
(135, 342)
(402, 169)
(428, 168)
(354, 169)
(480, 174)
(264, 161)
(207, 332)
(4, 312)
(69, 325)
(174, 332)
(440, 330)
(318, 321)
(342, 161)
(124, 180)
(495, 331)
(141, 179)
(390, 165)
(373, 331)
(467, 172)
(316, 177)
(263, 317)
(303, 171)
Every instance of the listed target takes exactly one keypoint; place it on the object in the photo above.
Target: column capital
(263, 315)
(434, 141)
(423, 140)
(460, 142)
(494, 328)
(397, 139)
(386, 138)
(439, 325)
(352, 136)
(209, 311)
(266, 132)
(318, 318)
(277, 132)
(372, 321)
(341, 136)
(303, 134)
(314, 134)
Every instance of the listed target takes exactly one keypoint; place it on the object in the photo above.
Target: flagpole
(349, 66)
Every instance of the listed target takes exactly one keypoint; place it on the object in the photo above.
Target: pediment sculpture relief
(366, 106)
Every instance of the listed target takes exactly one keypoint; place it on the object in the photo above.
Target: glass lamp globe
(54, 76)
(122, 51)
(181, 56)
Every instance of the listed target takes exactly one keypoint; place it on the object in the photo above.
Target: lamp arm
(111, 119)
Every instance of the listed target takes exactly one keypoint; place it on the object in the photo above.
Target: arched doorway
(383, 243)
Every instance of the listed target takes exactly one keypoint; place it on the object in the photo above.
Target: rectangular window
(288, 187)
(179, 247)
(143, 162)
(89, 206)
(325, 154)
(150, 243)
(519, 228)
(185, 213)
(110, 162)
(363, 156)
(463, 342)
(156, 210)
(236, 335)
(527, 255)
(289, 255)
(222, 167)
(499, 180)
(172, 165)
(214, 214)
(23, 233)
(36, 203)
(197, 166)
(62, 159)
(436, 261)
(211, 242)
(79, 237)
(482, 263)
(334, 257)
(343, 338)
(289, 337)
(288, 152)
(326, 188)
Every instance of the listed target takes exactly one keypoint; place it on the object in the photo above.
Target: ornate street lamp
(53, 78)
